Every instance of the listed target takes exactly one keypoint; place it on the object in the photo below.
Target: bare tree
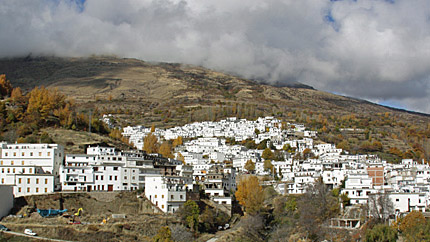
(380, 206)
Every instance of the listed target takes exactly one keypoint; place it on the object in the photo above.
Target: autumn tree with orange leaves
(150, 143)
(166, 150)
(5, 87)
(250, 194)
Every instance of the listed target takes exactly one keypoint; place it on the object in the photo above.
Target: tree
(381, 233)
(250, 194)
(414, 227)
(250, 166)
(178, 141)
(164, 235)
(307, 153)
(189, 214)
(262, 145)
(181, 158)
(267, 154)
(5, 86)
(315, 207)
(166, 150)
(212, 218)
(288, 148)
(380, 206)
(150, 143)
(268, 165)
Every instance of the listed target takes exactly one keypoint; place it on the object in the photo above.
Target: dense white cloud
(374, 49)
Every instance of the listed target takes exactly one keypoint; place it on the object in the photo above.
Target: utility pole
(89, 123)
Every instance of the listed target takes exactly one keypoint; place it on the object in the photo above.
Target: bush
(382, 233)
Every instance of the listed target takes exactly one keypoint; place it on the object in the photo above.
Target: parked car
(29, 232)
(3, 228)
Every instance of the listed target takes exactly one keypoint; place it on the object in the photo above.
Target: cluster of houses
(212, 163)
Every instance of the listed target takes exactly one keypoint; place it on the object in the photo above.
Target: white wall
(6, 200)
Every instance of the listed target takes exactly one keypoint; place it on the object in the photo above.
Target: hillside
(164, 94)
(141, 222)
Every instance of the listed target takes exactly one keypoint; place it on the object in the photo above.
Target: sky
(378, 50)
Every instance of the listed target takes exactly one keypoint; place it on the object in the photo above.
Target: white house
(167, 192)
(408, 202)
(31, 168)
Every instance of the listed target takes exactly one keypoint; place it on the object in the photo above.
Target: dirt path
(35, 237)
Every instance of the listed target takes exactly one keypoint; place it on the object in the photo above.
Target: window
(155, 195)
(46, 181)
(1, 162)
(11, 162)
(31, 170)
(181, 196)
(110, 178)
(46, 190)
(14, 153)
(19, 180)
(22, 162)
(31, 153)
(5, 154)
(162, 196)
(19, 189)
(37, 189)
(37, 180)
(116, 178)
(23, 170)
(115, 168)
(2, 180)
(8, 170)
(171, 196)
(22, 153)
(162, 205)
(101, 178)
(2, 170)
(40, 153)
(28, 189)
(97, 178)
(125, 178)
(397, 199)
(13, 170)
(49, 153)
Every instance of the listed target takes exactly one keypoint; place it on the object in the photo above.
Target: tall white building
(31, 168)
(167, 192)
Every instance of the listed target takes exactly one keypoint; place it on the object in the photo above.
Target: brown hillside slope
(170, 94)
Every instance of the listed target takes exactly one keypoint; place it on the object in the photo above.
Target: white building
(6, 200)
(167, 192)
(31, 168)
(408, 202)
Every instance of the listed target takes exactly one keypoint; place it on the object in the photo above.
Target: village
(212, 158)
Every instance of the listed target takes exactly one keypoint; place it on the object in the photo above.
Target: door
(110, 188)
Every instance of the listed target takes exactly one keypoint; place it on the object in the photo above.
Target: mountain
(167, 94)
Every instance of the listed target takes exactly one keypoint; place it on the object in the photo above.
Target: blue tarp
(50, 212)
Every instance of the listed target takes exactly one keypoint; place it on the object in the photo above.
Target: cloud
(373, 49)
